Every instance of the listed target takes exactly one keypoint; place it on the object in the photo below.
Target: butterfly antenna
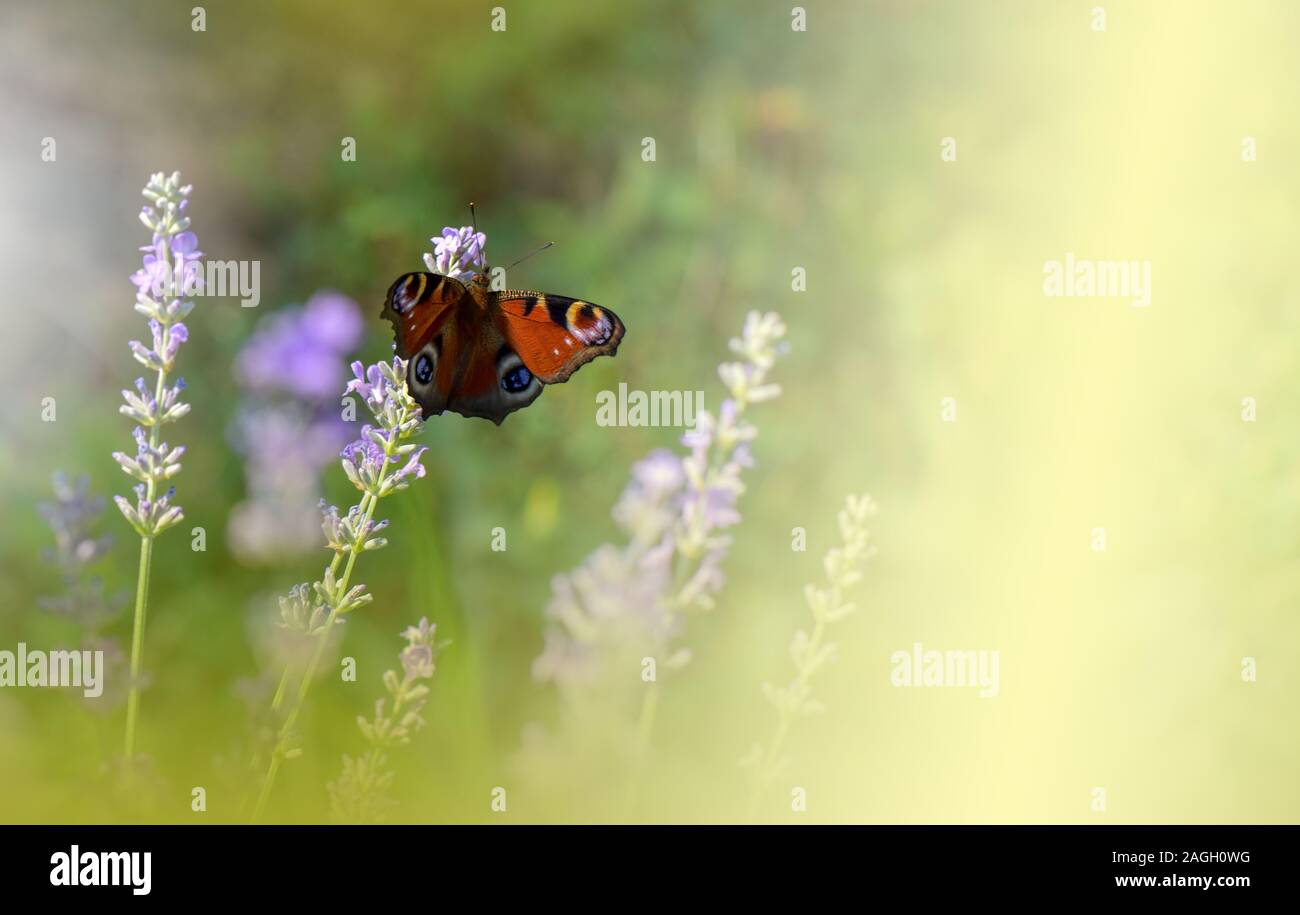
(530, 254)
(473, 219)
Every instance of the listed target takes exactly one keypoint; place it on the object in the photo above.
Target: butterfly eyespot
(516, 380)
(406, 293)
(424, 369)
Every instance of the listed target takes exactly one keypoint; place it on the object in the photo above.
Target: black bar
(323, 863)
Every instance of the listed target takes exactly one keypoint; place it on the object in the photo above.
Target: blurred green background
(775, 149)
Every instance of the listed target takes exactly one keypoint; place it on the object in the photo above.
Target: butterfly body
(482, 352)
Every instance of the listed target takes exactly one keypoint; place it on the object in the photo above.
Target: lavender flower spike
(379, 463)
(811, 650)
(169, 272)
(358, 795)
(631, 600)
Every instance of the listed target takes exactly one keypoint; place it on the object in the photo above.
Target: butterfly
(483, 352)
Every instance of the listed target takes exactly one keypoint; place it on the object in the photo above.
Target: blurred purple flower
(290, 425)
(186, 244)
(421, 633)
(285, 451)
(300, 351)
(417, 660)
(71, 517)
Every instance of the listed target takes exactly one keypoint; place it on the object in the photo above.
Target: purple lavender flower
(300, 611)
(169, 273)
(366, 459)
(342, 531)
(457, 252)
(363, 455)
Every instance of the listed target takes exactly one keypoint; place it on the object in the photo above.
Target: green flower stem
(768, 763)
(137, 643)
(281, 688)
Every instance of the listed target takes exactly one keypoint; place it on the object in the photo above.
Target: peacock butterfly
(483, 352)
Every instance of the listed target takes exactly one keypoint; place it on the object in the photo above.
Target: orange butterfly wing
(555, 335)
(418, 304)
(423, 308)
